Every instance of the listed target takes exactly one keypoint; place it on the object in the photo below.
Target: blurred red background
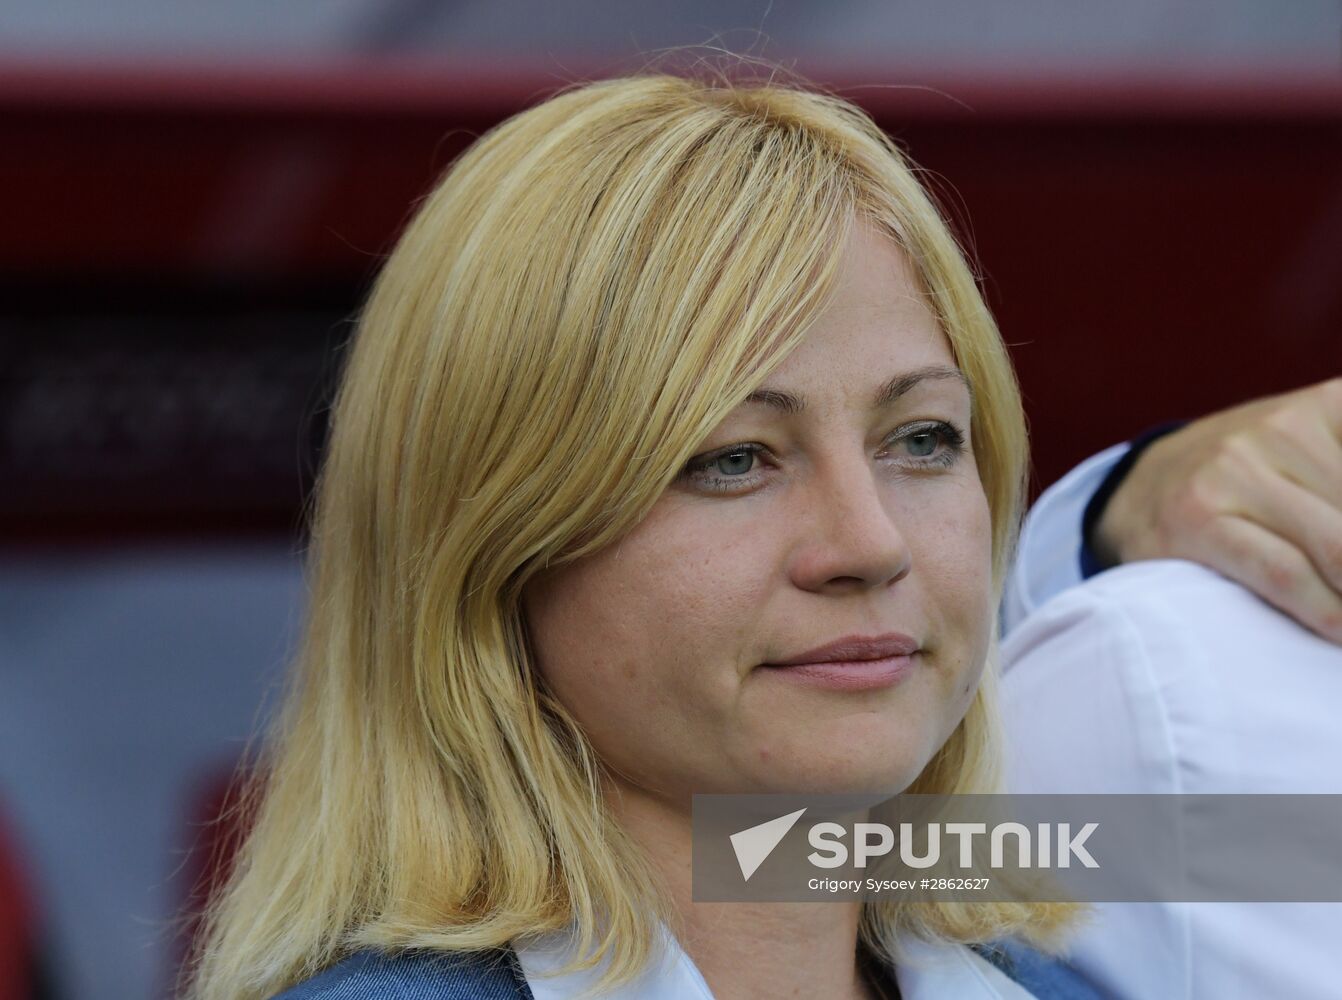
(1152, 248)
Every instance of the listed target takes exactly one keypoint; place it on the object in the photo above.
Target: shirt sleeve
(1055, 551)
(1047, 561)
(1163, 677)
(1091, 563)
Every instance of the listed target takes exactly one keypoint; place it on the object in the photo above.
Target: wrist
(1107, 512)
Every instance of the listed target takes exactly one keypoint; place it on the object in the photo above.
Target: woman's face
(814, 513)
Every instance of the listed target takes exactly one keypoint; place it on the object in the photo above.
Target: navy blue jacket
(417, 975)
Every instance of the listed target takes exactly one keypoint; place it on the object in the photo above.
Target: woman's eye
(725, 471)
(736, 463)
(921, 444)
(932, 444)
(732, 469)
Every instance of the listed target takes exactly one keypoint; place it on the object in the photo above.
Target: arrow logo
(752, 846)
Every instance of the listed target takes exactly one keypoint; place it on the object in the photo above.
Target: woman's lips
(846, 675)
(851, 663)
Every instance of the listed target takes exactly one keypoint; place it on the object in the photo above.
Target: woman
(667, 385)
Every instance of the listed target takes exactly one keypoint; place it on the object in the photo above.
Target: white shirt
(1164, 677)
(932, 972)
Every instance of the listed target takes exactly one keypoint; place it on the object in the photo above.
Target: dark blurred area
(184, 253)
(192, 215)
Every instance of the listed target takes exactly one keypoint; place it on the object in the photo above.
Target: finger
(1275, 570)
(1329, 397)
(1300, 443)
(1306, 521)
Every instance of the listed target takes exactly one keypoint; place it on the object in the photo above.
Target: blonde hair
(583, 297)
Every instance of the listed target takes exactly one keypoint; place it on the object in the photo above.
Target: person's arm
(1095, 556)
(1253, 492)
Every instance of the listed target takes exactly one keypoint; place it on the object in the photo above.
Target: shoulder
(1111, 685)
(1145, 609)
(1042, 977)
(416, 975)
(1163, 676)
(1048, 553)
(1005, 970)
(1165, 609)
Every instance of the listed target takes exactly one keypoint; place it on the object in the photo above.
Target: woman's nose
(849, 537)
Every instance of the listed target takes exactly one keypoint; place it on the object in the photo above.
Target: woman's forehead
(888, 392)
(874, 349)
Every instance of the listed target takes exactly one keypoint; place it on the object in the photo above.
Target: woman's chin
(858, 777)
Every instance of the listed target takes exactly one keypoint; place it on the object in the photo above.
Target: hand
(1253, 492)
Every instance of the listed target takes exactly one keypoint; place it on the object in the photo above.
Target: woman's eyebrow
(793, 403)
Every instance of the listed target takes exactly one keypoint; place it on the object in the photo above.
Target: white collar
(931, 972)
(940, 971)
(671, 974)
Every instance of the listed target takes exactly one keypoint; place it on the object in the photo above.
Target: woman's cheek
(954, 553)
(712, 580)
